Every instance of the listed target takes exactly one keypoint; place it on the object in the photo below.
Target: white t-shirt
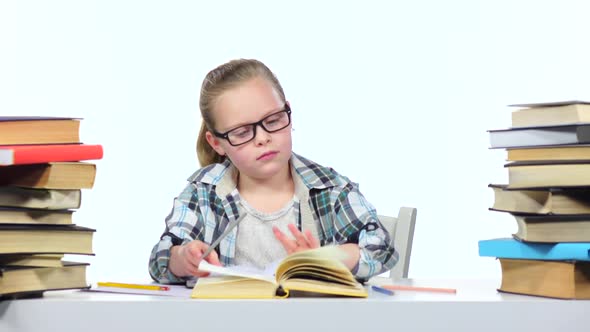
(256, 244)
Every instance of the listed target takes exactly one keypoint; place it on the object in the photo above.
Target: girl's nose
(261, 136)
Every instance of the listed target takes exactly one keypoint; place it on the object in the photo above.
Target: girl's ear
(215, 143)
(289, 104)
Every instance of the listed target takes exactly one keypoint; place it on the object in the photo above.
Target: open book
(312, 272)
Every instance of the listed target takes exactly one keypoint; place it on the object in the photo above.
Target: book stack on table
(42, 172)
(548, 193)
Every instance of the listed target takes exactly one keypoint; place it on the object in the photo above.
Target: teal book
(511, 248)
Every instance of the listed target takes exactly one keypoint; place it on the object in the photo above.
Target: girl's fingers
(300, 239)
(213, 258)
(201, 274)
(194, 252)
(193, 271)
(287, 243)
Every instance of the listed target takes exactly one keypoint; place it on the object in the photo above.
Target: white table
(476, 307)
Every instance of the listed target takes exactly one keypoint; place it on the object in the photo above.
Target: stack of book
(41, 176)
(548, 193)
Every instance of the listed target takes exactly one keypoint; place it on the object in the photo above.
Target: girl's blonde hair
(219, 80)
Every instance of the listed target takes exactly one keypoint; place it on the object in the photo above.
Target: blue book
(511, 248)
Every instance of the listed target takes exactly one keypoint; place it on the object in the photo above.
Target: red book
(38, 154)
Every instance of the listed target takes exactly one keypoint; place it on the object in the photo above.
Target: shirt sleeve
(183, 224)
(356, 219)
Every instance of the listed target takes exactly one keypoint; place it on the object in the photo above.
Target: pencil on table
(133, 286)
(382, 290)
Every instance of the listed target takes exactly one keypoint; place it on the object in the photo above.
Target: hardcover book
(38, 130)
(553, 152)
(540, 136)
(50, 199)
(557, 279)
(45, 239)
(56, 175)
(556, 113)
(312, 272)
(23, 280)
(38, 260)
(541, 201)
(553, 229)
(37, 154)
(35, 216)
(547, 174)
(511, 248)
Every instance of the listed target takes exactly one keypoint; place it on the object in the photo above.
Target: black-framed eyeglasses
(271, 123)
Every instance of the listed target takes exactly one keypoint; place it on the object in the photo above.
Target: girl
(255, 200)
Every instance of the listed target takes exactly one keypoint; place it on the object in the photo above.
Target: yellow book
(23, 281)
(555, 152)
(38, 260)
(54, 175)
(541, 201)
(551, 114)
(552, 228)
(35, 216)
(317, 272)
(45, 239)
(548, 174)
(558, 279)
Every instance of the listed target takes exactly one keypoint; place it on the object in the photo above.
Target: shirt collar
(306, 174)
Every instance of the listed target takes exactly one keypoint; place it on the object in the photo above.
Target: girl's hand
(185, 259)
(305, 241)
(302, 241)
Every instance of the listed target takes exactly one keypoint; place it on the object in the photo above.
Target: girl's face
(268, 153)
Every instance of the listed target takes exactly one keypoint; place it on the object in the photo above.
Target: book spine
(23, 155)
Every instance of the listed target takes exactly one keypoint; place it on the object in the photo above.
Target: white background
(397, 95)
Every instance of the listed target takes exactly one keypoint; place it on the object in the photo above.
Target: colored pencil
(382, 290)
(133, 286)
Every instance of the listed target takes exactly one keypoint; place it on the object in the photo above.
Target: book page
(327, 259)
(238, 271)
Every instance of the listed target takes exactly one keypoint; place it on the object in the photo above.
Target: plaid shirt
(334, 210)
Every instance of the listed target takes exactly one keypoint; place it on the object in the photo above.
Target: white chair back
(401, 230)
